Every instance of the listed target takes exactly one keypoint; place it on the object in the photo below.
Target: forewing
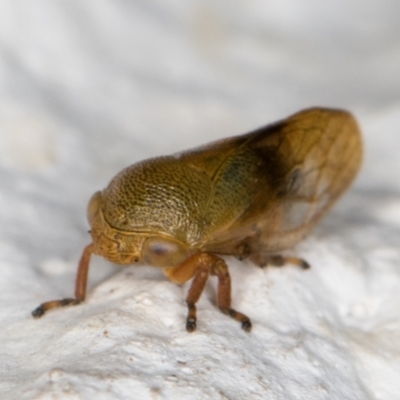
(304, 163)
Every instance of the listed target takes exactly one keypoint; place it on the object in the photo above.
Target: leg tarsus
(244, 320)
(263, 260)
(191, 320)
(191, 324)
(80, 286)
(246, 325)
(48, 305)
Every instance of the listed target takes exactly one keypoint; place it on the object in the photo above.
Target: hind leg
(265, 260)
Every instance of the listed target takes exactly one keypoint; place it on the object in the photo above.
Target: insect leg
(198, 284)
(263, 260)
(82, 275)
(200, 266)
(80, 286)
(220, 269)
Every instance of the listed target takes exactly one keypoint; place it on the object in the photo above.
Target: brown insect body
(251, 195)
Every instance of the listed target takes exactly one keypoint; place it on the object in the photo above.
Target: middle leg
(220, 269)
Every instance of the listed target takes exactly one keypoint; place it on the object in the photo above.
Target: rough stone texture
(88, 88)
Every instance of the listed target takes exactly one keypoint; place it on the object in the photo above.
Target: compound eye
(163, 252)
(94, 206)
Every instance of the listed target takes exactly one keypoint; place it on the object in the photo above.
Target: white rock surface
(90, 87)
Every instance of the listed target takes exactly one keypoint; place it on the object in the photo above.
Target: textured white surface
(90, 87)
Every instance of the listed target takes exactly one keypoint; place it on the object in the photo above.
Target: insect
(250, 196)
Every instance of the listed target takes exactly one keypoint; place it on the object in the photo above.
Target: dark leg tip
(191, 325)
(277, 261)
(246, 325)
(38, 312)
(305, 265)
(69, 302)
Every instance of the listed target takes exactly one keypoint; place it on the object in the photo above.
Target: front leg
(80, 286)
